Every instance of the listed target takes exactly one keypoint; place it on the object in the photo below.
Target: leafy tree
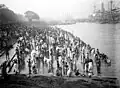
(2, 6)
(31, 15)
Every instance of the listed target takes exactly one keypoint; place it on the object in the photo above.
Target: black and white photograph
(59, 43)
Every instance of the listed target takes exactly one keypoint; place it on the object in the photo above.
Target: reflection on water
(106, 37)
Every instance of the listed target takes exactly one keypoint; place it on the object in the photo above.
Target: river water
(105, 37)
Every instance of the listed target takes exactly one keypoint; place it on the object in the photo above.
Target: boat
(110, 16)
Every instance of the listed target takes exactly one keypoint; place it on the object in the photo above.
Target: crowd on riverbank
(49, 45)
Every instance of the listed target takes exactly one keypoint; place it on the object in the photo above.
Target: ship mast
(111, 4)
(111, 8)
(94, 8)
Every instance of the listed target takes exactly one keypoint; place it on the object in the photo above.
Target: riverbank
(22, 81)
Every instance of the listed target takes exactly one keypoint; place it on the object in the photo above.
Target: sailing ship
(111, 16)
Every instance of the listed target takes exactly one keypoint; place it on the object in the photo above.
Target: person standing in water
(29, 66)
(98, 64)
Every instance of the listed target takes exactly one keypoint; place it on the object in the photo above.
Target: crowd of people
(51, 45)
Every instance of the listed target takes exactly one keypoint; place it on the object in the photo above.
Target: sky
(55, 9)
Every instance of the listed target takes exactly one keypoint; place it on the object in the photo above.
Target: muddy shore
(22, 81)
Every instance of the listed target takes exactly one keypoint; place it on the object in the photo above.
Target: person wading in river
(98, 64)
(59, 69)
(51, 54)
(97, 52)
(86, 64)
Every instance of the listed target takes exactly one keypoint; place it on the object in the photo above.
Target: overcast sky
(54, 8)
